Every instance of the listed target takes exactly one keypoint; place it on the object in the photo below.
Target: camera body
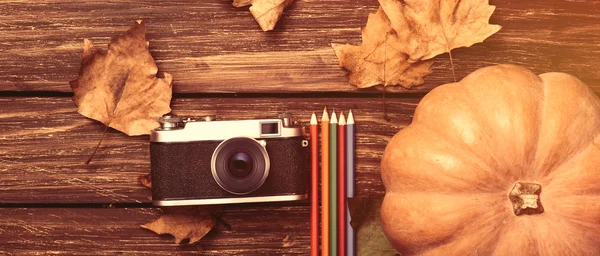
(201, 162)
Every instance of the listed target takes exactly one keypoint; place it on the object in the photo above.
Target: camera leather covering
(182, 170)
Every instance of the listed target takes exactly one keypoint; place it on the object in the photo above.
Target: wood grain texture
(210, 46)
(45, 142)
(103, 231)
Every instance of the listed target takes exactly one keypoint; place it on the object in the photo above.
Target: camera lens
(240, 165)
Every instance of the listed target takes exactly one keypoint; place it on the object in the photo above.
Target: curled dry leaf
(119, 87)
(190, 222)
(378, 60)
(430, 28)
(145, 180)
(265, 12)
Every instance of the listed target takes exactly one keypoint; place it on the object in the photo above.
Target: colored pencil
(314, 196)
(325, 183)
(350, 155)
(333, 184)
(350, 237)
(342, 185)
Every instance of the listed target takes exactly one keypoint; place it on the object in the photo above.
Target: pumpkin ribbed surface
(504, 162)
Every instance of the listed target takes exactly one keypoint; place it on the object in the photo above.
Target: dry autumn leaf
(145, 180)
(119, 87)
(413, 31)
(190, 222)
(265, 12)
(429, 28)
(377, 60)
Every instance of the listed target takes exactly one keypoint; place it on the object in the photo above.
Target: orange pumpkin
(504, 162)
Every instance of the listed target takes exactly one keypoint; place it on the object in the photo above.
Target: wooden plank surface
(102, 231)
(45, 142)
(210, 46)
(49, 200)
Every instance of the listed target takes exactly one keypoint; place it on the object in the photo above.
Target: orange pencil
(325, 183)
(341, 158)
(314, 196)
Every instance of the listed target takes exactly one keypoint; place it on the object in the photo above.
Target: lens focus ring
(240, 165)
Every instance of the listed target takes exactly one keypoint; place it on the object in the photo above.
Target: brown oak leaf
(430, 28)
(189, 222)
(378, 60)
(265, 12)
(120, 87)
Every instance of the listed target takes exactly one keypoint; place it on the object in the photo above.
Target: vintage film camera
(199, 162)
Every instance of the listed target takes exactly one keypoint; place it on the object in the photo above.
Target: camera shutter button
(168, 122)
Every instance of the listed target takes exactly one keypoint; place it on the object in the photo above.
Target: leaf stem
(97, 146)
(118, 100)
(452, 65)
(384, 78)
(385, 117)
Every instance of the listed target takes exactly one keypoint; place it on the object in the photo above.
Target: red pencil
(314, 196)
(341, 185)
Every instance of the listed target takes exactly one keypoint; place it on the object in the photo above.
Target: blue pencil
(350, 154)
(350, 234)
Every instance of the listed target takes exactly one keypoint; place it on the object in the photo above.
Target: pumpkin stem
(525, 198)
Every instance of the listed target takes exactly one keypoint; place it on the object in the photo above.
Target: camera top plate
(178, 129)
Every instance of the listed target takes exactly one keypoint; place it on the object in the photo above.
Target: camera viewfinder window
(270, 128)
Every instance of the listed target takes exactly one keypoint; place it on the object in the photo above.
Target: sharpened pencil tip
(325, 116)
(313, 119)
(350, 118)
(342, 119)
(333, 118)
